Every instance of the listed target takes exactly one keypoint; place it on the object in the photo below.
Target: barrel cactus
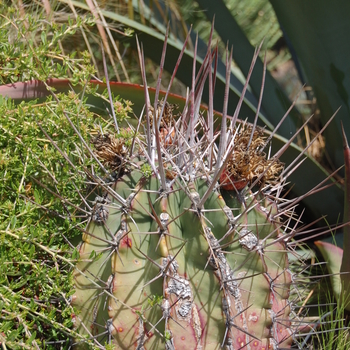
(186, 246)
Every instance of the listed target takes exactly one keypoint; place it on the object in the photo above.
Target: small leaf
(75, 254)
(43, 38)
(13, 222)
(31, 338)
(37, 196)
(92, 255)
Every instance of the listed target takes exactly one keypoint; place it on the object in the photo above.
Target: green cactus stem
(187, 243)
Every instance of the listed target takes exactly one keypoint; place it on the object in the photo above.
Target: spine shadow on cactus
(187, 240)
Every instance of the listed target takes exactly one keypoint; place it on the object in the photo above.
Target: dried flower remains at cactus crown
(168, 117)
(248, 161)
(167, 123)
(110, 150)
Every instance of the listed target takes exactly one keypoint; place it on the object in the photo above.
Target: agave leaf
(153, 44)
(319, 33)
(345, 265)
(24, 91)
(275, 103)
(307, 176)
(332, 255)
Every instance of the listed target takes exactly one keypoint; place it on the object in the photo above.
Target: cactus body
(176, 272)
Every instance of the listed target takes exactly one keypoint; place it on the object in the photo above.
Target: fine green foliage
(36, 227)
(29, 49)
(38, 191)
(330, 329)
(36, 259)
